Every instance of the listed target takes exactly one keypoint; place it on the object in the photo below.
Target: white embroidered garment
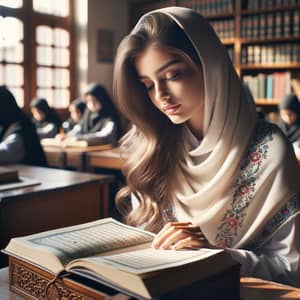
(216, 193)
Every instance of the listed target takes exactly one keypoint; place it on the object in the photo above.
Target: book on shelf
(72, 143)
(119, 256)
(8, 175)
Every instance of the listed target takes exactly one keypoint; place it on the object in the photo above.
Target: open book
(118, 255)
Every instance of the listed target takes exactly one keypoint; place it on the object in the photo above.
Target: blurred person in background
(100, 121)
(19, 142)
(45, 118)
(72, 124)
(289, 110)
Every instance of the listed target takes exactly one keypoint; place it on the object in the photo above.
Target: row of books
(270, 25)
(265, 4)
(271, 54)
(224, 28)
(210, 7)
(269, 86)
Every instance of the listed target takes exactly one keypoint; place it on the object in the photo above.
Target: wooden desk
(251, 289)
(70, 157)
(62, 199)
(110, 159)
(258, 289)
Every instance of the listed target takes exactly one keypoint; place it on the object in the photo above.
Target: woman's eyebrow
(163, 67)
(166, 65)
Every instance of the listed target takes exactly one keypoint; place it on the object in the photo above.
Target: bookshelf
(262, 38)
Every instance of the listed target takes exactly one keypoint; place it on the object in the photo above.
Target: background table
(110, 159)
(70, 157)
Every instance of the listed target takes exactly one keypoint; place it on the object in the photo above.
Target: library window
(11, 3)
(12, 56)
(53, 62)
(58, 8)
(35, 56)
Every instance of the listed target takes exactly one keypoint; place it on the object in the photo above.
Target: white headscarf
(215, 192)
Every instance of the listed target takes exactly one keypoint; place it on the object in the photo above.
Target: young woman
(45, 118)
(19, 142)
(76, 109)
(100, 121)
(201, 169)
(289, 109)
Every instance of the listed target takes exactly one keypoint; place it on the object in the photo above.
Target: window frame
(31, 19)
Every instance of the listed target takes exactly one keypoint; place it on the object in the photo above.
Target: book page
(149, 259)
(98, 237)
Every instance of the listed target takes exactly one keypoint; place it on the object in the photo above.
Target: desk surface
(251, 289)
(76, 149)
(50, 179)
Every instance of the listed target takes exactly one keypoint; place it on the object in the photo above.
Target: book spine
(286, 24)
(262, 26)
(270, 25)
(278, 25)
(269, 88)
(296, 23)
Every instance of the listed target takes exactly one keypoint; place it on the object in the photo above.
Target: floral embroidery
(245, 185)
(255, 157)
(287, 211)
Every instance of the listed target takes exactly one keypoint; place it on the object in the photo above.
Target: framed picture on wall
(105, 49)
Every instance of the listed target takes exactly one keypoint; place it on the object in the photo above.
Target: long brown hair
(154, 145)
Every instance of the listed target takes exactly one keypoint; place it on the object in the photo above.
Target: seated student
(19, 142)
(45, 118)
(100, 121)
(76, 109)
(201, 169)
(289, 110)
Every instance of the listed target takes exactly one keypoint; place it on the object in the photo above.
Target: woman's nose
(161, 93)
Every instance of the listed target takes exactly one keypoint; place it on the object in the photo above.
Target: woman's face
(174, 85)
(75, 114)
(288, 116)
(37, 114)
(92, 103)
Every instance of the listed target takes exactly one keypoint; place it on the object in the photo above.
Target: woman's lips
(171, 109)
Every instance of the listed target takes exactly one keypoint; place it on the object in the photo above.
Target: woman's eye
(173, 76)
(149, 87)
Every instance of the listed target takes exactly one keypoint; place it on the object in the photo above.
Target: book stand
(31, 282)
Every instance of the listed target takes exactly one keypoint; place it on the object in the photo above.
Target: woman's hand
(180, 235)
(60, 137)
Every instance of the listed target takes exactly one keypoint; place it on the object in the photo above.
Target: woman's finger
(174, 234)
(190, 242)
(167, 230)
(174, 237)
